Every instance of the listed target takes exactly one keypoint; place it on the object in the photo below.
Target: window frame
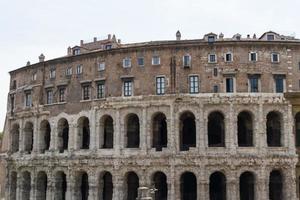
(28, 99)
(79, 69)
(101, 66)
(194, 86)
(250, 56)
(49, 96)
(61, 95)
(231, 57)
(160, 86)
(86, 92)
(52, 73)
(141, 58)
(100, 95)
(229, 90)
(128, 61)
(128, 88)
(189, 64)
(69, 71)
(252, 77)
(272, 57)
(154, 58)
(209, 58)
(279, 77)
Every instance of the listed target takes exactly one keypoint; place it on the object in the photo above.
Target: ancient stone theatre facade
(202, 119)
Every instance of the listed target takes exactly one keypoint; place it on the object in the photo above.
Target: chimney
(178, 35)
(221, 36)
(248, 36)
(119, 41)
(114, 38)
(81, 42)
(28, 63)
(69, 51)
(109, 37)
(95, 39)
(42, 58)
(254, 36)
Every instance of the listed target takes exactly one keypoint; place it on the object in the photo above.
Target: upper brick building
(209, 118)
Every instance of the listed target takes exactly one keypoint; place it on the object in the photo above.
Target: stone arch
(297, 129)
(245, 129)
(41, 185)
(247, 186)
(82, 185)
(13, 185)
(188, 186)
(105, 186)
(15, 136)
(45, 136)
(83, 132)
(28, 137)
(217, 186)
(187, 131)
(60, 185)
(132, 131)
(274, 129)
(159, 180)
(132, 185)
(276, 185)
(159, 131)
(107, 132)
(63, 134)
(25, 185)
(216, 129)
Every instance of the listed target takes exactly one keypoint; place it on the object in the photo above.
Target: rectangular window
(109, 46)
(228, 57)
(229, 85)
(211, 38)
(86, 92)
(79, 69)
(49, 96)
(76, 52)
(140, 61)
(100, 90)
(216, 89)
(155, 60)
(215, 71)
(69, 71)
(270, 37)
(279, 83)
(62, 95)
(160, 85)
(127, 88)
(101, 66)
(212, 58)
(186, 61)
(33, 77)
(253, 56)
(126, 62)
(194, 84)
(253, 83)
(275, 57)
(52, 73)
(28, 99)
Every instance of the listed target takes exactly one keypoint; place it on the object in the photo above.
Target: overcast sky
(31, 27)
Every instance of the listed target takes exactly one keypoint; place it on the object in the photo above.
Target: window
(253, 56)
(275, 57)
(101, 66)
(49, 96)
(215, 71)
(52, 74)
(76, 52)
(126, 62)
(108, 46)
(28, 99)
(33, 77)
(228, 57)
(211, 38)
(270, 37)
(229, 85)
(100, 90)
(69, 71)
(155, 60)
(62, 95)
(160, 85)
(140, 61)
(279, 83)
(215, 89)
(127, 88)
(212, 58)
(186, 61)
(79, 69)
(194, 84)
(86, 92)
(14, 83)
(253, 84)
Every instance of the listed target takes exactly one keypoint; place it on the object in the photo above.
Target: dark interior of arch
(132, 186)
(60, 186)
(15, 134)
(275, 185)
(85, 134)
(297, 129)
(107, 192)
(247, 186)
(216, 130)
(160, 133)
(84, 186)
(46, 133)
(187, 131)
(25, 185)
(217, 186)
(273, 130)
(13, 186)
(245, 130)
(28, 137)
(63, 135)
(160, 183)
(108, 133)
(41, 186)
(133, 131)
(188, 186)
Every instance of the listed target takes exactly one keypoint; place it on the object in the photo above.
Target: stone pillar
(22, 136)
(93, 133)
(33, 190)
(171, 184)
(289, 131)
(230, 131)
(171, 131)
(232, 185)
(262, 186)
(117, 134)
(143, 131)
(19, 187)
(36, 135)
(93, 186)
(118, 187)
(72, 137)
(177, 194)
(262, 135)
(203, 185)
(70, 193)
(289, 184)
(99, 135)
(54, 138)
(50, 186)
(201, 130)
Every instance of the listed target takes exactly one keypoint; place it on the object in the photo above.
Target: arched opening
(15, 134)
(60, 186)
(216, 130)
(217, 186)
(160, 183)
(274, 129)
(41, 186)
(28, 137)
(188, 186)
(187, 131)
(297, 129)
(159, 131)
(247, 186)
(63, 135)
(275, 185)
(132, 186)
(245, 129)
(108, 132)
(83, 185)
(45, 136)
(84, 132)
(133, 131)
(25, 185)
(13, 186)
(106, 186)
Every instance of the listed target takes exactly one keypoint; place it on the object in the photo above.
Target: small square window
(140, 61)
(69, 71)
(126, 62)
(253, 56)
(228, 57)
(186, 61)
(212, 58)
(155, 60)
(79, 69)
(101, 66)
(270, 37)
(275, 57)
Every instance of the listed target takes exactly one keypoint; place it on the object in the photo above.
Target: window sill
(53, 104)
(100, 99)
(83, 101)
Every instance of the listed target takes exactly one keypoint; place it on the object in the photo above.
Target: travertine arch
(282, 127)
(29, 136)
(101, 133)
(15, 137)
(45, 135)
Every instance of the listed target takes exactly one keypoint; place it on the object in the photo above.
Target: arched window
(187, 131)
(106, 186)
(60, 186)
(247, 186)
(188, 186)
(297, 129)
(84, 132)
(25, 185)
(274, 129)
(245, 129)
(217, 186)
(132, 185)
(82, 183)
(13, 186)
(107, 136)
(159, 131)
(63, 135)
(216, 130)
(133, 131)
(41, 184)
(275, 185)
(15, 134)
(160, 183)
(45, 136)
(28, 139)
